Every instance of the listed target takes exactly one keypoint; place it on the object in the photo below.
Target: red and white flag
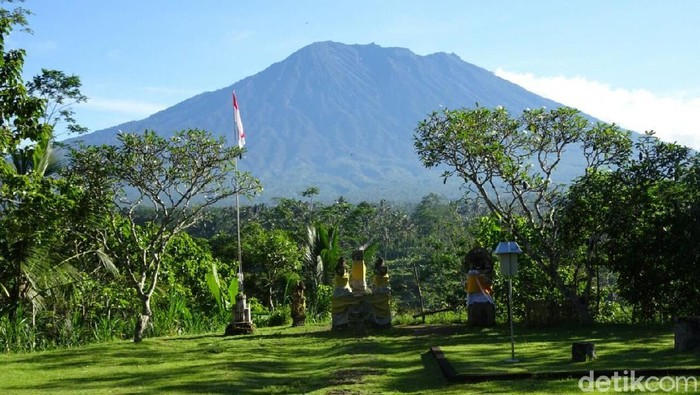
(237, 121)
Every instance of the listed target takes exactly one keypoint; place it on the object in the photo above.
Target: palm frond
(106, 261)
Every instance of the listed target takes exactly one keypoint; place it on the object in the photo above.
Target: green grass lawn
(313, 359)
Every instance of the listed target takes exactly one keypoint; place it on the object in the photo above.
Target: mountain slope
(340, 117)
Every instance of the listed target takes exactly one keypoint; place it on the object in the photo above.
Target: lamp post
(507, 252)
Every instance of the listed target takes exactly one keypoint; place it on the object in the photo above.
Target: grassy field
(312, 359)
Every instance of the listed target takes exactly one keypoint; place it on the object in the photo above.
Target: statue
(357, 273)
(342, 296)
(381, 277)
(381, 295)
(355, 305)
(480, 305)
(299, 305)
(341, 281)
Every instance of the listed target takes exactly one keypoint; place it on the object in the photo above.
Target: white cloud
(673, 118)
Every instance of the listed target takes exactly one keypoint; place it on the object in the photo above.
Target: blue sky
(634, 63)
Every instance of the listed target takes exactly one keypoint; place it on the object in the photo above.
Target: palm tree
(32, 265)
(321, 251)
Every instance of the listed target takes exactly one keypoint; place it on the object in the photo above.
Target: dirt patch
(443, 330)
(342, 392)
(352, 376)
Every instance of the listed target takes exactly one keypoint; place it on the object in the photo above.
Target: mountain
(341, 118)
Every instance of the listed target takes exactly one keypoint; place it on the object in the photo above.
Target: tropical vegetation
(141, 238)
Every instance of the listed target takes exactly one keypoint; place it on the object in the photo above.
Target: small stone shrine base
(299, 320)
(481, 314)
(582, 352)
(687, 333)
(238, 328)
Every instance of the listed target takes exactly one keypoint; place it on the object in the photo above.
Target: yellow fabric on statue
(341, 303)
(381, 281)
(342, 296)
(473, 282)
(358, 270)
(357, 278)
(380, 304)
(341, 281)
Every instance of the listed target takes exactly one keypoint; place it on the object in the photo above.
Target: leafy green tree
(187, 265)
(178, 177)
(441, 238)
(291, 215)
(271, 257)
(310, 192)
(42, 216)
(639, 221)
(60, 92)
(510, 164)
(20, 112)
(358, 226)
(394, 229)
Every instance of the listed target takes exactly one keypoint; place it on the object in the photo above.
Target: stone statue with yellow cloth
(353, 302)
(480, 305)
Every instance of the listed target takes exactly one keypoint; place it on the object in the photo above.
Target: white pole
(510, 318)
(238, 232)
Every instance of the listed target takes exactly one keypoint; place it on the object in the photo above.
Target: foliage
(45, 221)
(178, 177)
(280, 317)
(188, 266)
(510, 165)
(224, 296)
(269, 259)
(60, 92)
(320, 255)
(640, 222)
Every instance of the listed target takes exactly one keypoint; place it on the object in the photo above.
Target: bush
(281, 316)
(324, 297)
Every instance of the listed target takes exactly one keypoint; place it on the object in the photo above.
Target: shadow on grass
(300, 360)
(546, 354)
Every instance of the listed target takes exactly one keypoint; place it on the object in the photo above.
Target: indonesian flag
(237, 120)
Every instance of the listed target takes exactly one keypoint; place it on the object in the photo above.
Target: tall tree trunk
(420, 292)
(272, 304)
(579, 303)
(143, 319)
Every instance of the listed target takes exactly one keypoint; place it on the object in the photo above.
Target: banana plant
(223, 294)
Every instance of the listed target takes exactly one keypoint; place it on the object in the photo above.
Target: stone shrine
(356, 305)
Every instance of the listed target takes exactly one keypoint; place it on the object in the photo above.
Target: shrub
(281, 316)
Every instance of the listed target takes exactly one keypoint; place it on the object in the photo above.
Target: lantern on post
(507, 252)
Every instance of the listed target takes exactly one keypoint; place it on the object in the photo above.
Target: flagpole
(241, 323)
(238, 231)
(240, 135)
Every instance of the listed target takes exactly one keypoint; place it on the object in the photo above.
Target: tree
(289, 214)
(177, 177)
(510, 164)
(60, 92)
(310, 192)
(638, 221)
(39, 236)
(441, 237)
(19, 112)
(270, 256)
(320, 254)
